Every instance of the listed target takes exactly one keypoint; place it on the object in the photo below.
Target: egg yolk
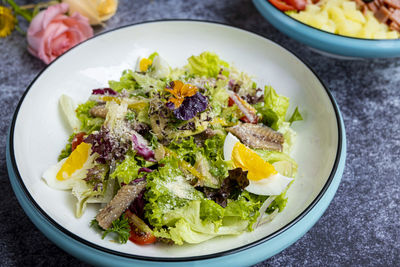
(144, 64)
(245, 158)
(75, 161)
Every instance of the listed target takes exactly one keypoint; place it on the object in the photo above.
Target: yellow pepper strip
(185, 165)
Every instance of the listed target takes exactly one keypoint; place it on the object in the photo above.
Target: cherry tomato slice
(297, 4)
(282, 6)
(141, 238)
(245, 119)
(230, 102)
(78, 139)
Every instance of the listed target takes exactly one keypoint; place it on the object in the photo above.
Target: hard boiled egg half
(263, 178)
(68, 171)
(160, 67)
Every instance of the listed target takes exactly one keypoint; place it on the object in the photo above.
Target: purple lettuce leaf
(142, 149)
(108, 148)
(137, 206)
(144, 169)
(104, 91)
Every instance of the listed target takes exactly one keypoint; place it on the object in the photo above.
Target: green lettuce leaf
(247, 85)
(167, 190)
(296, 116)
(85, 193)
(127, 82)
(68, 106)
(127, 170)
(147, 84)
(206, 64)
(88, 122)
(246, 207)
(213, 151)
(67, 150)
(289, 135)
(278, 203)
(189, 227)
(182, 214)
(274, 108)
(218, 97)
(186, 149)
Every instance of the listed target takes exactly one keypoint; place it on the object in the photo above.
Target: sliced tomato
(245, 119)
(282, 6)
(230, 102)
(141, 238)
(248, 111)
(297, 4)
(141, 233)
(78, 139)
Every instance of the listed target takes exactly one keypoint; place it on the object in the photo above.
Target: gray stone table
(361, 226)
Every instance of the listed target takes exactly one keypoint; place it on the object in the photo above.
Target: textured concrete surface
(361, 227)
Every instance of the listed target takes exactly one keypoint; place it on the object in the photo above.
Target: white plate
(39, 134)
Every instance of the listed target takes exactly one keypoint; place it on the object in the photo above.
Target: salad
(370, 19)
(178, 155)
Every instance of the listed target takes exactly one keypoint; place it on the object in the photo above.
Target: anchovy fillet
(119, 204)
(257, 136)
(98, 111)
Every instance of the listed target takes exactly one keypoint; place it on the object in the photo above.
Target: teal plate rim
(100, 255)
(325, 41)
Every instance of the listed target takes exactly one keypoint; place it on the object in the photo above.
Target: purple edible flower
(142, 149)
(190, 107)
(104, 91)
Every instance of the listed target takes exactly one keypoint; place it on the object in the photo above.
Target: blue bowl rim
(192, 258)
(325, 32)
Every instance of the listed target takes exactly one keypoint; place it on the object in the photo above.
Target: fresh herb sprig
(120, 227)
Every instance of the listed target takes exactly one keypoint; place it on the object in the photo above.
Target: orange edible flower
(180, 90)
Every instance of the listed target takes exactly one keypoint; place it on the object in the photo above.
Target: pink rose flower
(51, 32)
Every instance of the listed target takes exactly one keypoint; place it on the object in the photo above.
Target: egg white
(161, 68)
(269, 186)
(229, 143)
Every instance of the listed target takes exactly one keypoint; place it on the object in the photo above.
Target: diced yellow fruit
(303, 17)
(365, 33)
(312, 9)
(349, 6)
(379, 35)
(330, 26)
(355, 15)
(344, 18)
(318, 20)
(348, 28)
(392, 35)
(336, 14)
